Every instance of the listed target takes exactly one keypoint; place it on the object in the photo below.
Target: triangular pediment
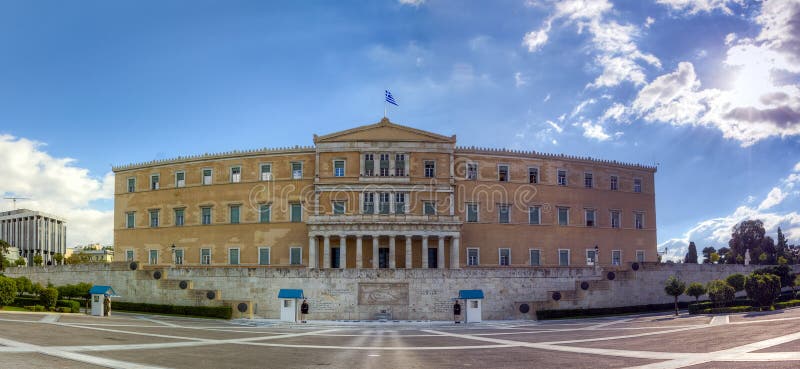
(384, 131)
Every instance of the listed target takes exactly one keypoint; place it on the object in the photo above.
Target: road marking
(50, 318)
(51, 351)
(159, 322)
(720, 320)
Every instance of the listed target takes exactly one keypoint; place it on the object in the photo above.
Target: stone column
(424, 252)
(408, 252)
(455, 253)
(312, 252)
(375, 252)
(326, 252)
(392, 263)
(359, 252)
(343, 252)
(440, 254)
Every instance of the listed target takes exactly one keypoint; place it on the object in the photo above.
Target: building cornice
(540, 155)
(216, 156)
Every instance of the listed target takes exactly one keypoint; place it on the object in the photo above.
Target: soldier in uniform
(457, 312)
(303, 311)
(107, 306)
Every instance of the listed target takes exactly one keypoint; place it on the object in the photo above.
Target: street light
(596, 256)
(173, 255)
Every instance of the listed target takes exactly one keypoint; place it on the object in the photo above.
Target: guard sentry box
(98, 295)
(473, 300)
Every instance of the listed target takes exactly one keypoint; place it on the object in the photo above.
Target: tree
(20, 261)
(720, 292)
(48, 297)
(784, 272)
(714, 258)
(696, 289)
(3, 251)
(748, 234)
(707, 251)
(8, 290)
(723, 253)
(675, 287)
(23, 285)
(37, 259)
(763, 288)
(691, 255)
(782, 247)
(58, 257)
(736, 280)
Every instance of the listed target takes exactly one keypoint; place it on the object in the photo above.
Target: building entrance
(433, 258)
(383, 257)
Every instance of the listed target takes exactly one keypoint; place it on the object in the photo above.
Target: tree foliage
(37, 260)
(696, 290)
(48, 297)
(675, 287)
(3, 251)
(750, 235)
(784, 272)
(691, 255)
(763, 288)
(58, 257)
(736, 281)
(20, 261)
(8, 290)
(80, 290)
(24, 285)
(707, 251)
(720, 292)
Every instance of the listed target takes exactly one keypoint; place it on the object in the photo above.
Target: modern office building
(384, 196)
(34, 232)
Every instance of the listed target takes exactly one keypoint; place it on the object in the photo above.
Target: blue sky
(706, 89)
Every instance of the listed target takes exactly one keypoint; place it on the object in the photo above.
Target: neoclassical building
(384, 196)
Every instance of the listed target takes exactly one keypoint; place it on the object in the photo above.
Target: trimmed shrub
(8, 291)
(720, 292)
(71, 305)
(25, 301)
(736, 281)
(787, 304)
(223, 312)
(763, 288)
(675, 287)
(48, 297)
(35, 308)
(696, 290)
(575, 313)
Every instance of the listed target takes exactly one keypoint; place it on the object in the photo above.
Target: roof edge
(542, 155)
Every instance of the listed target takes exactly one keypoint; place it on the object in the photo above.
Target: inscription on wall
(443, 306)
(383, 293)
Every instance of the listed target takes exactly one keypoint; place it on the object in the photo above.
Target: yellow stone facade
(384, 196)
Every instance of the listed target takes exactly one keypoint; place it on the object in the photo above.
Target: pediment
(384, 131)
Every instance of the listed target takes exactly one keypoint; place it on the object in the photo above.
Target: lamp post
(173, 255)
(596, 257)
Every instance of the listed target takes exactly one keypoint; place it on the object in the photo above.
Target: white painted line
(50, 351)
(720, 320)
(50, 318)
(158, 322)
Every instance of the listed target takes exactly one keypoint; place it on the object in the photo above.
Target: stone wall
(405, 293)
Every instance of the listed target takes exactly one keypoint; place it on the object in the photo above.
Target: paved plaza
(39, 340)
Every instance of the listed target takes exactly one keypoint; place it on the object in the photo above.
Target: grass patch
(13, 308)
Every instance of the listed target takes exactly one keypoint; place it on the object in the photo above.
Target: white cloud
(555, 126)
(649, 22)
(57, 186)
(520, 80)
(616, 112)
(774, 197)
(546, 98)
(730, 38)
(594, 131)
(581, 106)
(534, 40)
(414, 3)
(479, 42)
(797, 167)
(698, 6)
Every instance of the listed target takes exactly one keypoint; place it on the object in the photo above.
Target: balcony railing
(382, 218)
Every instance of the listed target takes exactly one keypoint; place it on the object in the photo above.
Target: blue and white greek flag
(390, 98)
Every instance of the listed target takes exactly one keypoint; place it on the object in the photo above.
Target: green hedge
(25, 301)
(727, 310)
(223, 312)
(72, 306)
(787, 304)
(574, 313)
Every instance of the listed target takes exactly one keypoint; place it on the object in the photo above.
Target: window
(264, 213)
(535, 215)
(400, 203)
(533, 175)
(590, 256)
(153, 257)
(297, 170)
(429, 207)
(563, 216)
(536, 257)
(400, 165)
(502, 173)
(266, 172)
(637, 185)
(590, 222)
(472, 171)
(233, 256)
(131, 184)
(472, 213)
(505, 256)
(178, 256)
(236, 174)
(614, 183)
(614, 219)
(472, 257)
(384, 165)
(339, 207)
(153, 218)
(235, 214)
(154, 181)
(588, 180)
(131, 219)
(430, 169)
(338, 168)
(640, 256)
(638, 222)
(263, 255)
(295, 255)
(207, 176)
(205, 256)
(205, 215)
(297, 212)
(616, 257)
(563, 257)
(562, 177)
(503, 211)
(180, 179)
(369, 203)
(179, 217)
(383, 203)
(129, 255)
(369, 165)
